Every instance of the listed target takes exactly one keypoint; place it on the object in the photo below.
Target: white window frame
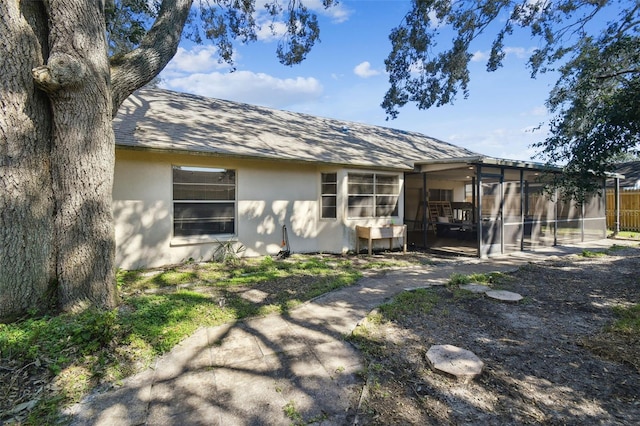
(333, 195)
(233, 202)
(374, 195)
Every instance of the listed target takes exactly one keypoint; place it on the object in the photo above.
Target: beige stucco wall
(269, 195)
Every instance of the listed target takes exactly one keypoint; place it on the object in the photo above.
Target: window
(440, 194)
(204, 201)
(329, 191)
(373, 195)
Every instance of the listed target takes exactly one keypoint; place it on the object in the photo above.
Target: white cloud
(518, 52)
(509, 143)
(364, 70)
(270, 29)
(338, 13)
(479, 56)
(198, 59)
(539, 111)
(249, 87)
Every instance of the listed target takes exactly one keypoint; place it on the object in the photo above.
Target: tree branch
(617, 74)
(61, 71)
(134, 69)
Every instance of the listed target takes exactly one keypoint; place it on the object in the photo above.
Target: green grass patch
(488, 278)
(615, 248)
(164, 320)
(628, 320)
(632, 235)
(409, 302)
(293, 414)
(591, 254)
(58, 339)
(385, 264)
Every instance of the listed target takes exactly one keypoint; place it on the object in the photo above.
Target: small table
(390, 232)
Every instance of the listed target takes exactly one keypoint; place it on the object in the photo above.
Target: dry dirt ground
(548, 358)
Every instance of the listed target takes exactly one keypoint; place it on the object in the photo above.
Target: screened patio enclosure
(484, 206)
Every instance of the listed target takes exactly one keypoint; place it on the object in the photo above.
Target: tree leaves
(127, 22)
(597, 107)
(595, 100)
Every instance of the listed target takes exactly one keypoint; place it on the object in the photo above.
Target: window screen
(204, 201)
(373, 195)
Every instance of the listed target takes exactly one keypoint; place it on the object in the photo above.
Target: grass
(293, 414)
(409, 302)
(607, 252)
(620, 341)
(384, 264)
(487, 278)
(632, 235)
(628, 321)
(159, 309)
(590, 253)
(406, 303)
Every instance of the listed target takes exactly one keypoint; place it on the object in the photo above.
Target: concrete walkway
(276, 370)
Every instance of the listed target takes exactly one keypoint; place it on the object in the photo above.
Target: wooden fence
(629, 210)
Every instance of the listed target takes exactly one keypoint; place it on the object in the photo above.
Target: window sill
(200, 239)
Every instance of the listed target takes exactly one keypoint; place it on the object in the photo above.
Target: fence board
(629, 210)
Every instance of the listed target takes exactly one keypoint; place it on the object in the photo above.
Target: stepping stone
(504, 296)
(462, 364)
(475, 287)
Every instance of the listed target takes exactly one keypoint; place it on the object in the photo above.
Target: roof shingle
(170, 121)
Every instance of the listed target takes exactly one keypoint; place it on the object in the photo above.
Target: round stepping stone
(460, 363)
(504, 296)
(475, 287)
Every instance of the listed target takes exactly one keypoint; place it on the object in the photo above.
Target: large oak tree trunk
(76, 77)
(57, 147)
(26, 198)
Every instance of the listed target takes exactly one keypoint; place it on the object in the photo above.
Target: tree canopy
(222, 22)
(593, 45)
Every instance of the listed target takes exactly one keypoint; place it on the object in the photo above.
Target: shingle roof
(631, 172)
(171, 121)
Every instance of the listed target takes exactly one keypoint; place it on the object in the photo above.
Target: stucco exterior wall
(268, 195)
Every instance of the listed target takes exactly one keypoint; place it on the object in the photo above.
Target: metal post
(425, 224)
(555, 217)
(479, 208)
(521, 210)
(583, 211)
(501, 212)
(616, 225)
(474, 199)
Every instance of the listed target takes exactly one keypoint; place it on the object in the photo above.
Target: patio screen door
(490, 226)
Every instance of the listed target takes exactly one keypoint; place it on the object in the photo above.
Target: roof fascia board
(257, 158)
(488, 161)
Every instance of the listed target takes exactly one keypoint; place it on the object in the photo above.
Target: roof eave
(402, 168)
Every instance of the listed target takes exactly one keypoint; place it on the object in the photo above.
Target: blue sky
(343, 77)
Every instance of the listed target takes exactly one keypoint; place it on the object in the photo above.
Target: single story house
(193, 173)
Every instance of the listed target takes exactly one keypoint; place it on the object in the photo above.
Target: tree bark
(159, 45)
(57, 147)
(76, 78)
(26, 198)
